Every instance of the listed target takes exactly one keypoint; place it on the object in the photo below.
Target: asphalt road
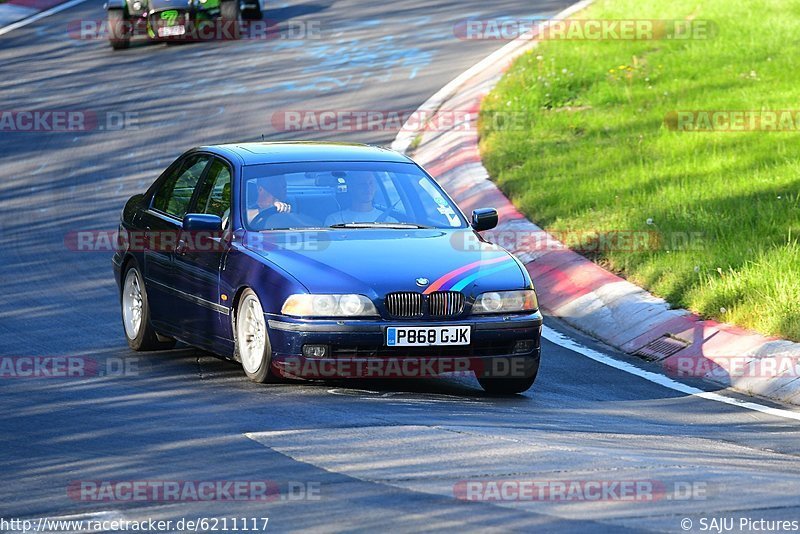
(370, 455)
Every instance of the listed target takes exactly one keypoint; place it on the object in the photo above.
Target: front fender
(244, 268)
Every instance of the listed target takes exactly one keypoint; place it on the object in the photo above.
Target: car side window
(176, 191)
(215, 195)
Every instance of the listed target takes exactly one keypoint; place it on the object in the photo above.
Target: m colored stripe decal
(481, 273)
(452, 275)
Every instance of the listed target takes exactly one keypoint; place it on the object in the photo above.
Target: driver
(271, 193)
(362, 187)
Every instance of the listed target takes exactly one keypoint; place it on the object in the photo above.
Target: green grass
(597, 155)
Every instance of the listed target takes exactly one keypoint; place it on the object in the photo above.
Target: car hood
(376, 261)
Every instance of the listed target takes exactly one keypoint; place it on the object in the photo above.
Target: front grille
(409, 304)
(445, 303)
(404, 304)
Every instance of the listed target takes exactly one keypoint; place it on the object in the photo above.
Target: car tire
(230, 12)
(119, 29)
(509, 386)
(253, 349)
(135, 309)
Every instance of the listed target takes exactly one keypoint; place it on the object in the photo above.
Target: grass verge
(596, 155)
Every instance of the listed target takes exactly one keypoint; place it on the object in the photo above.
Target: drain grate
(661, 348)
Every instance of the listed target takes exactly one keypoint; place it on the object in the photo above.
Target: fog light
(523, 345)
(315, 351)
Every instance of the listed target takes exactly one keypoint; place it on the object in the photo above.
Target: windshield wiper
(379, 225)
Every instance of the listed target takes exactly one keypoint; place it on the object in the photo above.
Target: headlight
(506, 301)
(329, 306)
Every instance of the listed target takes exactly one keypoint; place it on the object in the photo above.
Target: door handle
(147, 237)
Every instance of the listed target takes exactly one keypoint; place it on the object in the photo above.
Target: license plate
(171, 31)
(426, 336)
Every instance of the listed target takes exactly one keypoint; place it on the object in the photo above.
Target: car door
(162, 223)
(198, 258)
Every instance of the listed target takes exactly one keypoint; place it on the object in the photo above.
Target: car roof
(298, 151)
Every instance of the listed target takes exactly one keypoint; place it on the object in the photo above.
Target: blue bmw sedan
(295, 259)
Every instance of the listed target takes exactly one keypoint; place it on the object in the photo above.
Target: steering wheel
(387, 212)
(263, 215)
(383, 216)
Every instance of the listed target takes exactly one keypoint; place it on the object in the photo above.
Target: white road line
(563, 341)
(38, 16)
(403, 141)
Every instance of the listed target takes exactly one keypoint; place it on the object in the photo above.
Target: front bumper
(358, 347)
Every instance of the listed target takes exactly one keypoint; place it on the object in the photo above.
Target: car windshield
(344, 195)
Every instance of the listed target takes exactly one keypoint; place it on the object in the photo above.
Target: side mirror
(132, 206)
(484, 219)
(202, 222)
